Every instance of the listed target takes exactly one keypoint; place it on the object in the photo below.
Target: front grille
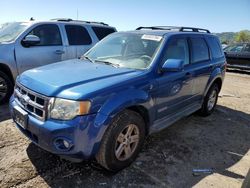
(31, 101)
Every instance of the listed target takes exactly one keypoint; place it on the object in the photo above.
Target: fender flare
(113, 106)
(215, 75)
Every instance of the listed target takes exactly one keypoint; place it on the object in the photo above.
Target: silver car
(26, 45)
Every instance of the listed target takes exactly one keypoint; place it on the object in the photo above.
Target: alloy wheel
(212, 100)
(126, 142)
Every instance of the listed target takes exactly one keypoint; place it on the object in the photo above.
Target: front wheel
(6, 87)
(122, 141)
(210, 100)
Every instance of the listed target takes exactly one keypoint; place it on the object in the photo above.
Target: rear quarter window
(215, 47)
(102, 32)
(199, 50)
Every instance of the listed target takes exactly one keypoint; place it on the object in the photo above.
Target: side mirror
(173, 65)
(30, 40)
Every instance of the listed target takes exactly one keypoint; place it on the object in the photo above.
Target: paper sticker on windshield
(151, 37)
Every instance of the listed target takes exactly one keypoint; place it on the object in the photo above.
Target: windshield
(129, 50)
(9, 31)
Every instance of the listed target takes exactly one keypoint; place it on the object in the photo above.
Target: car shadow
(167, 159)
(4, 112)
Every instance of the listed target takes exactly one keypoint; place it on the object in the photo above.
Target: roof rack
(175, 28)
(71, 20)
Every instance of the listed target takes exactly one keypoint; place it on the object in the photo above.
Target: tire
(208, 106)
(6, 88)
(109, 155)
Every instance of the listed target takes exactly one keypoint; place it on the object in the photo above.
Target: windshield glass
(9, 31)
(129, 50)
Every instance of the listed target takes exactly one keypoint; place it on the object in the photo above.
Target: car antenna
(32, 19)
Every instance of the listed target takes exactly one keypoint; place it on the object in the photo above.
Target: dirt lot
(220, 142)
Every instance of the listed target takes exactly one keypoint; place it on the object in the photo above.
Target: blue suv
(129, 85)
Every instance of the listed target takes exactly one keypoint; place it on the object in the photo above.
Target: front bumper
(83, 133)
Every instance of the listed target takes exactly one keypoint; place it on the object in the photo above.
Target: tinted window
(247, 48)
(199, 50)
(215, 47)
(177, 49)
(102, 32)
(49, 35)
(77, 35)
(234, 48)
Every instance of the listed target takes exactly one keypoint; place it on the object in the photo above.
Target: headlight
(64, 109)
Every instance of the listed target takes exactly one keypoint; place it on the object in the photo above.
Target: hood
(73, 79)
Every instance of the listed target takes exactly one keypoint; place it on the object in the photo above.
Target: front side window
(177, 49)
(49, 35)
(129, 50)
(10, 31)
(247, 48)
(77, 35)
(199, 50)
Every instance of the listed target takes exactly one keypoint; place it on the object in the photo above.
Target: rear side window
(102, 32)
(199, 50)
(215, 47)
(49, 35)
(177, 49)
(77, 35)
(247, 48)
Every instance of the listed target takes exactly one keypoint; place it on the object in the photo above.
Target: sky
(215, 15)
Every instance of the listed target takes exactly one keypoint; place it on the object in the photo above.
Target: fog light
(63, 144)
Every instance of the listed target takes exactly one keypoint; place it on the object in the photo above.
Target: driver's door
(49, 50)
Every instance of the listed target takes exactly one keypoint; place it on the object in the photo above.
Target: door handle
(59, 52)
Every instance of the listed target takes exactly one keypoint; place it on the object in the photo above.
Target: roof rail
(62, 19)
(175, 28)
(71, 20)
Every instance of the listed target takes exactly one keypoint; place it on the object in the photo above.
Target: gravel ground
(220, 142)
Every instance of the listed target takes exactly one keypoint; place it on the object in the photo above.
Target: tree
(242, 36)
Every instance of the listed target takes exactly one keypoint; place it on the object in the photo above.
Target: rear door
(200, 66)
(49, 50)
(79, 39)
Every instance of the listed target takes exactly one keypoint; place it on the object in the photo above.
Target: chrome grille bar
(34, 103)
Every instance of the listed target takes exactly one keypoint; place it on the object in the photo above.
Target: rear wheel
(122, 141)
(210, 100)
(6, 88)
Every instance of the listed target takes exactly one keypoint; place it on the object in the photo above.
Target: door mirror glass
(30, 40)
(173, 65)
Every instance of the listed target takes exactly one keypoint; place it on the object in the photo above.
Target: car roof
(173, 30)
(165, 32)
(69, 21)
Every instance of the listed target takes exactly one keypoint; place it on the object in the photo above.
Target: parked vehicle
(238, 56)
(129, 85)
(26, 45)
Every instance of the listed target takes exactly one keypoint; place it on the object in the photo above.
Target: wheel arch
(144, 113)
(4, 68)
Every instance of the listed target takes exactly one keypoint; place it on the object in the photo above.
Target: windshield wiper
(86, 57)
(107, 63)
